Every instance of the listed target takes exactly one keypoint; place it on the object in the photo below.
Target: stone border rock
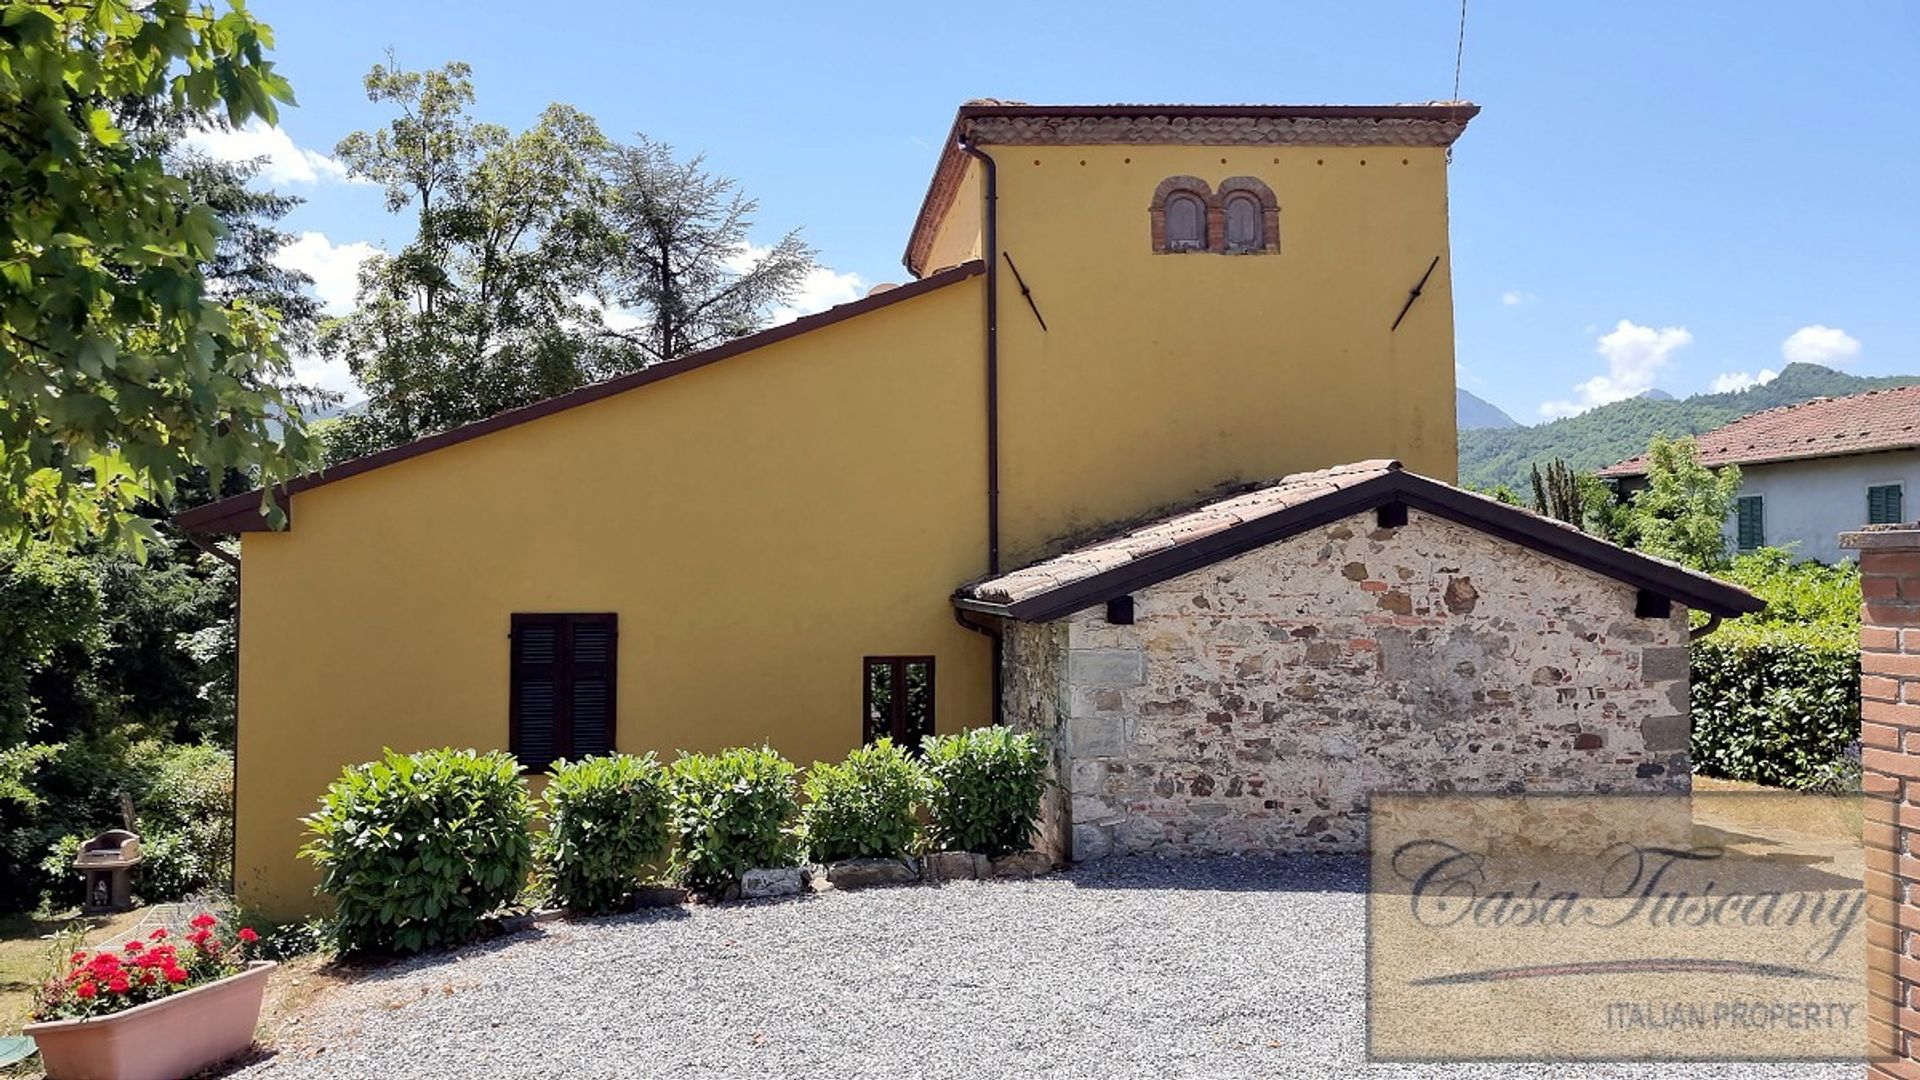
(773, 882)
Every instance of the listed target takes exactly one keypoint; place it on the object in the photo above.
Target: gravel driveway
(1131, 967)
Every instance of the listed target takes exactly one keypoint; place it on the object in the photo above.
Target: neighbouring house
(1115, 310)
(1812, 471)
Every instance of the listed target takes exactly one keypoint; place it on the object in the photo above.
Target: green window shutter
(1750, 528)
(1883, 504)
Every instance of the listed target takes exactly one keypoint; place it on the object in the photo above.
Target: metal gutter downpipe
(990, 240)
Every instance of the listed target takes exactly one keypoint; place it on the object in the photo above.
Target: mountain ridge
(1601, 436)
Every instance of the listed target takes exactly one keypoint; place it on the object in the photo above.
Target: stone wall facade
(1256, 704)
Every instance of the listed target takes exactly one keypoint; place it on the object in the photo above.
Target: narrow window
(562, 687)
(1244, 224)
(1883, 504)
(1186, 222)
(899, 700)
(1750, 522)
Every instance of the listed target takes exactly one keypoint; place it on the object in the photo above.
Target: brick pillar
(1890, 776)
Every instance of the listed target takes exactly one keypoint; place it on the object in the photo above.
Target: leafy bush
(1775, 706)
(732, 812)
(986, 787)
(1776, 694)
(415, 850)
(1825, 599)
(863, 806)
(183, 807)
(606, 821)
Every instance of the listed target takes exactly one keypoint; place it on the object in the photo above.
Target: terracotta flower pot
(178, 1035)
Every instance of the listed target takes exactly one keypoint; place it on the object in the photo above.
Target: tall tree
(123, 369)
(682, 262)
(481, 311)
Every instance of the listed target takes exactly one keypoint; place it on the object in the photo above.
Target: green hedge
(416, 849)
(1775, 705)
(606, 823)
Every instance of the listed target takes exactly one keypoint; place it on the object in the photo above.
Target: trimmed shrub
(606, 822)
(985, 791)
(864, 806)
(1776, 695)
(1779, 707)
(732, 812)
(416, 849)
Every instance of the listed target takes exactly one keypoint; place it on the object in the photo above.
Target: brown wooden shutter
(562, 687)
(590, 653)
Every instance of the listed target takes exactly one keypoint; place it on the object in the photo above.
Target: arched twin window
(1188, 215)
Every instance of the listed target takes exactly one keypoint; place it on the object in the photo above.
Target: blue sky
(1656, 194)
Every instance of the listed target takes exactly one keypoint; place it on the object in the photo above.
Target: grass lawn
(26, 949)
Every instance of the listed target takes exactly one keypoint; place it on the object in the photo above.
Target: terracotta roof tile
(1823, 427)
(1182, 542)
(1213, 518)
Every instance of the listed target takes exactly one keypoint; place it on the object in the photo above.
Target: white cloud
(1634, 354)
(334, 268)
(1818, 344)
(822, 288)
(1728, 381)
(286, 162)
(1516, 297)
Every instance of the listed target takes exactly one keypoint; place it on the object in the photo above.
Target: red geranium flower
(136, 945)
(84, 991)
(247, 935)
(79, 958)
(146, 977)
(176, 975)
(119, 984)
(200, 936)
(159, 933)
(202, 921)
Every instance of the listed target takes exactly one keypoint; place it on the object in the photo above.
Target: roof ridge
(1183, 543)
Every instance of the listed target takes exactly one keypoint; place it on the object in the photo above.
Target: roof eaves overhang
(1417, 492)
(1627, 470)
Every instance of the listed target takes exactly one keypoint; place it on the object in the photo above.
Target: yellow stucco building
(1115, 310)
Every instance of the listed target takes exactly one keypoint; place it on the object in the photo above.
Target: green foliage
(1556, 493)
(1681, 511)
(606, 823)
(1776, 694)
(183, 805)
(1776, 707)
(680, 256)
(864, 806)
(477, 313)
(1599, 437)
(125, 372)
(985, 791)
(732, 812)
(416, 849)
(48, 599)
(1821, 602)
